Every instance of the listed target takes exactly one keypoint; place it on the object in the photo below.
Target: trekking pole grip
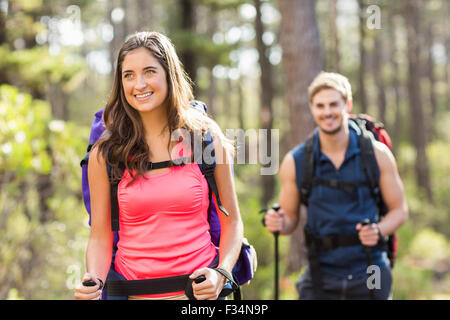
(276, 207)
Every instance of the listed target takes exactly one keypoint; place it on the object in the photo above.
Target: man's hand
(368, 234)
(274, 220)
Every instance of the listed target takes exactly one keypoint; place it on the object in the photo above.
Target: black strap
(314, 263)
(228, 276)
(208, 171)
(349, 187)
(167, 164)
(369, 165)
(113, 186)
(331, 242)
(147, 286)
(114, 206)
(307, 170)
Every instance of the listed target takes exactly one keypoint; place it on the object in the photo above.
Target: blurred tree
(302, 62)
(430, 73)
(188, 55)
(361, 93)
(266, 97)
(145, 18)
(211, 91)
(334, 52)
(395, 80)
(378, 64)
(418, 130)
(35, 232)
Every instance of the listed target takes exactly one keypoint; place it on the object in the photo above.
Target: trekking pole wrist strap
(227, 275)
(101, 285)
(380, 234)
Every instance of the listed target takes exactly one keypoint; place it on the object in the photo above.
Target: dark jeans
(350, 288)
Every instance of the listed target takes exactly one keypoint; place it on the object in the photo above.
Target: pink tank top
(164, 229)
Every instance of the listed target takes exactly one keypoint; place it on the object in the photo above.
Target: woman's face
(144, 80)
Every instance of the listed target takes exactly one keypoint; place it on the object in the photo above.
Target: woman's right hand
(83, 292)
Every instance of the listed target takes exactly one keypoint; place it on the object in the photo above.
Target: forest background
(251, 62)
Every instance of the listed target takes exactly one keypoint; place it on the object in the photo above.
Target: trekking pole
(368, 251)
(276, 234)
(276, 207)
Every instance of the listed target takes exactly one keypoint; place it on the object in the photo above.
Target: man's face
(329, 110)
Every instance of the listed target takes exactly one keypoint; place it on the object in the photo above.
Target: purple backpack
(246, 264)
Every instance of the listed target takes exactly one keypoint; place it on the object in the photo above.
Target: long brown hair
(125, 146)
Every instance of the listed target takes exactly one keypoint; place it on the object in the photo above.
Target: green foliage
(22, 140)
(411, 282)
(34, 69)
(209, 53)
(424, 255)
(44, 233)
(429, 246)
(42, 218)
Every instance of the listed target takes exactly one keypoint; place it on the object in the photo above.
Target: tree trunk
(114, 44)
(3, 77)
(301, 62)
(447, 72)
(211, 91)
(362, 95)
(128, 16)
(188, 56)
(334, 37)
(431, 76)
(211, 95)
(412, 16)
(378, 75)
(58, 101)
(144, 15)
(397, 124)
(266, 97)
(2, 27)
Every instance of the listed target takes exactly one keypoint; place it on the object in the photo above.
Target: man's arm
(286, 219)
(391, 187)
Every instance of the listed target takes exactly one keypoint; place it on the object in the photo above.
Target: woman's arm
(231, 228)
(99, 249)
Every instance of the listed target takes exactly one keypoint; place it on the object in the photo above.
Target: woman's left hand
(211, 287)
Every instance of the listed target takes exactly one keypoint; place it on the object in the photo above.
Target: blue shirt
(334, 211)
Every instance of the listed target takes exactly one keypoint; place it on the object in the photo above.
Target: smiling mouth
(144, 95)
(328, 119)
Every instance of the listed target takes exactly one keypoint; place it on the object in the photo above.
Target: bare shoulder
(287, 168)
(95, 156)
(97, 163)
(384, 156)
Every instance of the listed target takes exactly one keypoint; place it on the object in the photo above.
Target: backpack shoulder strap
(307, 169)
(113, 186)
(207, 166)
(369, 164)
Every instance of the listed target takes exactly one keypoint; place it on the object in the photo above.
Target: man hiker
(344, 231)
